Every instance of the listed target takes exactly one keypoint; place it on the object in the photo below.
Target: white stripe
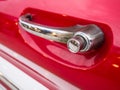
(18, 77)
(63, 85)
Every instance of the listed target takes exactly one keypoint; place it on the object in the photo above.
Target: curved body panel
(98, 69)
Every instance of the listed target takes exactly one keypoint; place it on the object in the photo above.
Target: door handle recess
(79, 38)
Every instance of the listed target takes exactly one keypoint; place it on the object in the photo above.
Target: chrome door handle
(78, 38)
(52, 33)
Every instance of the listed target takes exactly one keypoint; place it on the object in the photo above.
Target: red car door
(66, 45)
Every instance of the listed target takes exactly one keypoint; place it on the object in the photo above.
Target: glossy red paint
(98, 69)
